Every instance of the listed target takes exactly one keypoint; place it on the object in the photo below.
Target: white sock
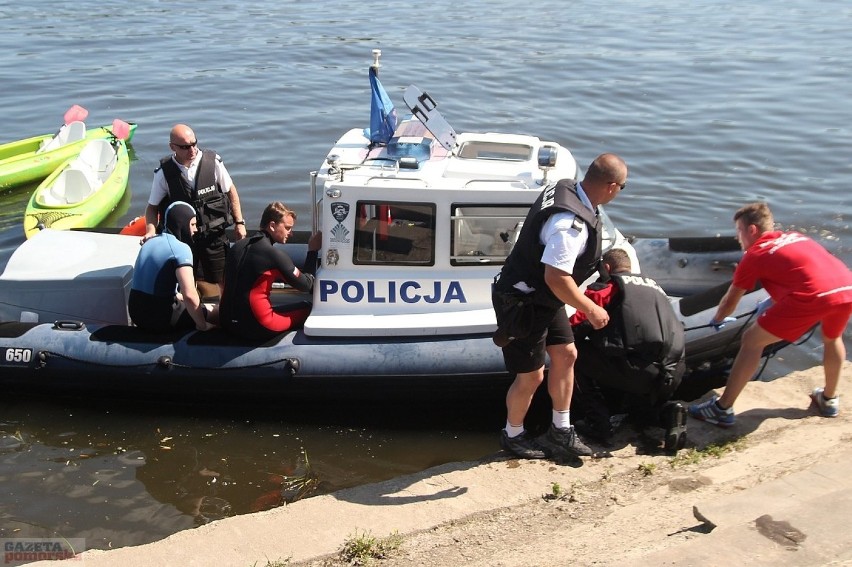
(514, 430)
(562, 419)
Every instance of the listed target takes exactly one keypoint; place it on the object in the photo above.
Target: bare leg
(560, 377)
(833, 355)
(520, 395)
(754, 340)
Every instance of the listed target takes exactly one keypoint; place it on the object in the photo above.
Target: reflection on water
(122, 473)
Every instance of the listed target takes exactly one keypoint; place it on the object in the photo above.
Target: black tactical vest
(207, 196)
(642, 323)
(524, 262)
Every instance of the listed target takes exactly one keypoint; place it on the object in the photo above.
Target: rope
(47, 353)
(748, 314)
(167, 362)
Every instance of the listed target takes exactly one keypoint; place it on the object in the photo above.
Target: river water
(712, 103)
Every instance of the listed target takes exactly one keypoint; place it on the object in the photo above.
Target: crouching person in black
(634, 364)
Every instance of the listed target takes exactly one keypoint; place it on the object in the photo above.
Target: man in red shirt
(807, 286)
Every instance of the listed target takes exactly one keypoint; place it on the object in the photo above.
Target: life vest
(207, 196)
(643, 326)
(524, 262)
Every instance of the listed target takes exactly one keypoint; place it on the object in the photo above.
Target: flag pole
(377, 53)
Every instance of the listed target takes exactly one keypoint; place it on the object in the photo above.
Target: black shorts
(551, 327)
(210, 259)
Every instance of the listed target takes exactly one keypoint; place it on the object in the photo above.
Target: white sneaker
(827, 408)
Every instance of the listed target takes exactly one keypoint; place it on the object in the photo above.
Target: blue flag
(382, 112)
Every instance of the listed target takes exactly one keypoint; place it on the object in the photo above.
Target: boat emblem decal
(332, 257)
(340, 211)
(340, 234)
(354, 291)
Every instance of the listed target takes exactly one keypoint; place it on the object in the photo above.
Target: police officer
(558, 248)
(197, 177)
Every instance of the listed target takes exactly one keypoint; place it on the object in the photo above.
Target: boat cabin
(415, 230)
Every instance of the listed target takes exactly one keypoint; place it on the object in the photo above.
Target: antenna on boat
(377, 53)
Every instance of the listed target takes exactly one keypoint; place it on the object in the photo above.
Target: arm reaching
(563, 286)
(151, 214)
(186, 281)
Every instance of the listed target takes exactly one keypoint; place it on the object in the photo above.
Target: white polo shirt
(159, 188)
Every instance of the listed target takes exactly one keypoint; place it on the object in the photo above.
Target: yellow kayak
(26, 161)
(82, 191)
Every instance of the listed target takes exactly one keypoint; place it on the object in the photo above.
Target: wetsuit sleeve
(311, 262)
(294, 276)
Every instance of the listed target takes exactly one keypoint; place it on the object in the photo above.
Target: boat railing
(315, 208)
(520, 182)
(478, 259)
(395, 179)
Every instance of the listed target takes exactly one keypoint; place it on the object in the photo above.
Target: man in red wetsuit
(252, 265)
(807, 286)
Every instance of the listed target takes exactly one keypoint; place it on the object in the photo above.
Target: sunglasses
(621, 186)
(185, 146)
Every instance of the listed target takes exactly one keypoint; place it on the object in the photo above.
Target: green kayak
(81, 192)
(29, 160)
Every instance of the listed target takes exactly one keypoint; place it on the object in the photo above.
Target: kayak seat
(72, 186)
(72, 132)
(78, 186)
(98, 156)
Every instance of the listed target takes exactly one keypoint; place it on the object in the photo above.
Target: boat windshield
(609, 234)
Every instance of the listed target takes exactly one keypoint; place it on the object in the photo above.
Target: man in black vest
(197, 177)
(636, 362)
(558, 248)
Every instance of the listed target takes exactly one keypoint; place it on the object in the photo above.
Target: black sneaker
(674, 421)
(562, 443)
(522, 446)
(591, 428)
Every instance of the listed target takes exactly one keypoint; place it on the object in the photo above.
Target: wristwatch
(242, 222)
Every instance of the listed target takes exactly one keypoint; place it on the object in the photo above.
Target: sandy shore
(778, 491)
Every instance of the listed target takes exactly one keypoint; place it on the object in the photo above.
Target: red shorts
(790, 319)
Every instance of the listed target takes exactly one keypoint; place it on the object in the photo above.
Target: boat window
(395, 233)
(608, 232)
(495, 151)
(485, 234)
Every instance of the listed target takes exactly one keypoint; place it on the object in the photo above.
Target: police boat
(417, 219)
